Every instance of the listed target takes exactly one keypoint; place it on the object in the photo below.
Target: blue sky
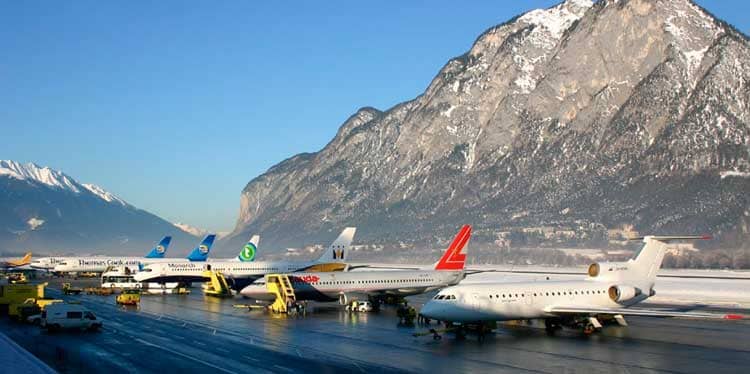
(176, 105)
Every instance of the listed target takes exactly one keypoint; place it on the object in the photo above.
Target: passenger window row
(369, 281)
(553, 293)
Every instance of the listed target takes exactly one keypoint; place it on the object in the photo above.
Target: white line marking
(222, 350)
(191, 358)
(283, 368)
(199, 343)
(251, 359)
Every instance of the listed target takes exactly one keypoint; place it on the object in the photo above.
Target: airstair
(281, 286)
(217, 285)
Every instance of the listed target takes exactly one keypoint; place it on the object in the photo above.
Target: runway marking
(199, 343)
(183, 355)
(298, 352)
(358, 367)
(214, 332)
(222, 350)
(283, 368)
(251, 358)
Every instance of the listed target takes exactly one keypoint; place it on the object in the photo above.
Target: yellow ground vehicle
(101, 291)
(217, 286)
(18, 294)
(70, 290)
(129, 297)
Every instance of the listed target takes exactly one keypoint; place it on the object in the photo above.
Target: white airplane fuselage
(523, 300)
(239, 273)
(99, 264)
(347, 286)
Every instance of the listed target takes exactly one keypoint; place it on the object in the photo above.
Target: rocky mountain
(46, 211)
(571, 122)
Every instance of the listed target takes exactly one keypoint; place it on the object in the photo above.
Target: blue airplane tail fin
(160, 249)
(200, 253)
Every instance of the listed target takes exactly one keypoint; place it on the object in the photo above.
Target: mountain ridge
(585, 117)
(45, 210)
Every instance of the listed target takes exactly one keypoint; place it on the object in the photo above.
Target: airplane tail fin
(200, 253)
(454, 259)
(338, 250)
(160, 249)
(247, 254)
(648, 260)
(25, 260)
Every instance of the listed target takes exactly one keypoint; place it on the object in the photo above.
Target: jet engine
(622, 294)
(347, 298)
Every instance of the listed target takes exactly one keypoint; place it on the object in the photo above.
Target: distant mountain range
(573, 124)
(45, 210)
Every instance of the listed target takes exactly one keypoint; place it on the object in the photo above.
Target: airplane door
(475, 300)
(529, 299)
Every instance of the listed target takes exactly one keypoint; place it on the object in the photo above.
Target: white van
(69, 316)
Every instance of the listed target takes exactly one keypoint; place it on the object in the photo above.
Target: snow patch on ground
(447, 112)
(734, 173)
(693, 32)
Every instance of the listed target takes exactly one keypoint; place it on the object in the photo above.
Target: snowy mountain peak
(44, 175)
(557, 19)
(53, 178)
(191, 229)
(104, 195)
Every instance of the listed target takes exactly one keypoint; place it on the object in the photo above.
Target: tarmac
(191, 333)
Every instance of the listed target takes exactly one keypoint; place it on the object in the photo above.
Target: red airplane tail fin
(454, 259)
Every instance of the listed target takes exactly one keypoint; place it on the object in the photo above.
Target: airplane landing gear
(551, 325)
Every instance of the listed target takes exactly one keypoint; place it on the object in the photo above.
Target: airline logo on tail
(160, 249)
(248, 252)
(201, 252)
(203, 248)
(454, 259)
(338, 253)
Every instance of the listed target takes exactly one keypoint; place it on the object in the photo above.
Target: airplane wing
(639, 312)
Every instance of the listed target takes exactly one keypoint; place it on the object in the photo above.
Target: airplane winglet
(734, 316)
(665, 238)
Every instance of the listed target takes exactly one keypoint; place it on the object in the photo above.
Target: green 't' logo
(248, 252)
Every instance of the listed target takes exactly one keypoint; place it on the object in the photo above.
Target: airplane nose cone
(433, 310)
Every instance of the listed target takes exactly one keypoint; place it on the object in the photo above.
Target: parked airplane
(99, 264)
(240, 274)
(347, 287)
(608, 291)
(16, 264)
(49, 263)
